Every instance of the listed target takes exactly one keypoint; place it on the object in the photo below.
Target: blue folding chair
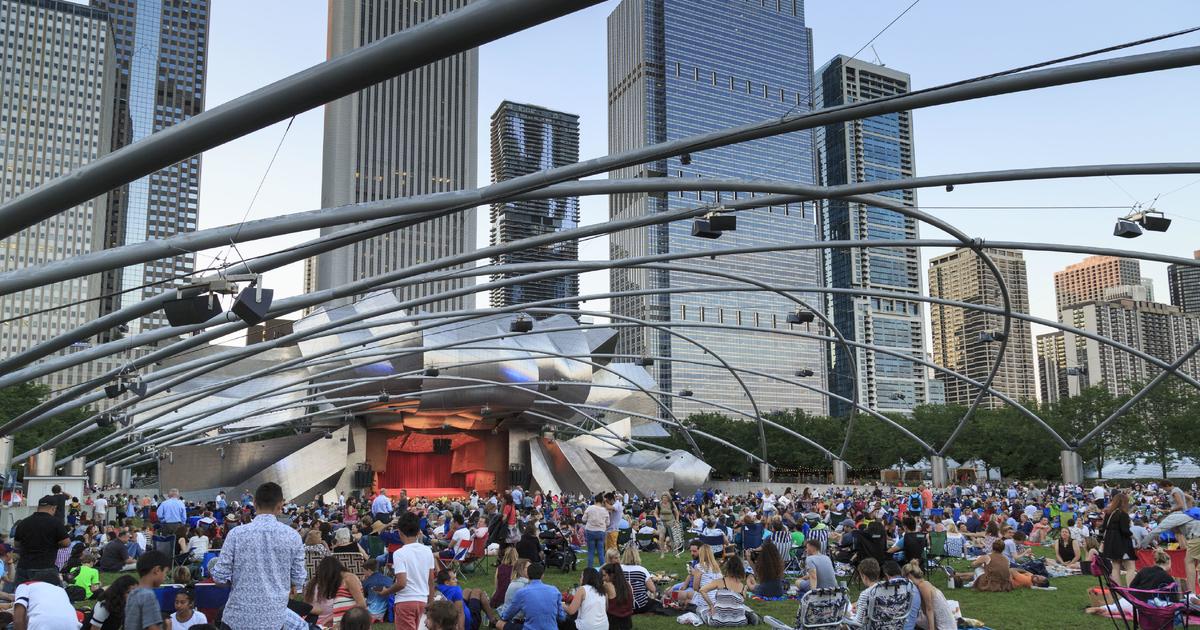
(204, 562)
(210, 600)
(166, 597)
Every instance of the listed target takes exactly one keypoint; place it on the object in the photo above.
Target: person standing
(263, 561)
(100, 510)
(39, 536)
(60, 502)
(172, 513)
(595, 523)
(381, 507)
(1118, 538)
(614, 519)
(415, 569)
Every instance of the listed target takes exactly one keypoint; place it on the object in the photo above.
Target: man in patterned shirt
(263, 561)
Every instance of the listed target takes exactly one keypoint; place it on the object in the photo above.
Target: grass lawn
(1019, 610)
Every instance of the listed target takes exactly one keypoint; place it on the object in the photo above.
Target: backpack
(914, 502)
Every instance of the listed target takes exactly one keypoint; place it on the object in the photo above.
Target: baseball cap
(47, 501)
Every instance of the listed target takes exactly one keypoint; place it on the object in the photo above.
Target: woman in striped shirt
(332, 591)
(726, 597)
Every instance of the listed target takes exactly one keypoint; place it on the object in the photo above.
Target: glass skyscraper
(161, 54)
(871, 149)
(683, 67)
(527, 139)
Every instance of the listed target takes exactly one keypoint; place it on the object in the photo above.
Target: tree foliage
(18, 399)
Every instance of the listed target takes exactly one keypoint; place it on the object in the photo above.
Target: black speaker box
(249, 309)
(441, 445)
(190, 311)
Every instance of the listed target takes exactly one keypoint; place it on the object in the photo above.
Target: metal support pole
(764, 472)
(43, 463)
(126, 478)
(6, 453)
(98, 471)
(1072, 467)
(77, 467)
(839, 472)
(938, 464)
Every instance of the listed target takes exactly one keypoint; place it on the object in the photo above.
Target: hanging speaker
(250, 308)
(191, 310)
(441, 446)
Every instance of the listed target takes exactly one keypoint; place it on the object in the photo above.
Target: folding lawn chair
(936, 551)
(752, 538)
(645, 542)
(887, 606)
(819, 608)
(210, 600)
(476, 555)
(1133, 608)
(352, 561)
(166, 546)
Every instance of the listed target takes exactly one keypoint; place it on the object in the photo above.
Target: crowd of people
(351, 562)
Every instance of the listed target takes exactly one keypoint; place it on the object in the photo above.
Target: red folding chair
(1134, 608)
(476, 554)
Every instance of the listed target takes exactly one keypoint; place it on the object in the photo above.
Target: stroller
(556, 549)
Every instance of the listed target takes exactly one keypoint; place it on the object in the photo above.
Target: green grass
(1019, 610)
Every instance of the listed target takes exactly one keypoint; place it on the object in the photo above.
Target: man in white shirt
(42, 606)
(415, 571)
(1100, 493)
(100, 509)
(460, 541)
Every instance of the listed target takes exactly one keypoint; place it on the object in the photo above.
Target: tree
(1160, 426)
(18, 399)
(1075, 417)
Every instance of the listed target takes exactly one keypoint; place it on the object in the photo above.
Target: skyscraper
(1086, 280)
(527, 139)
(1185, 285)
(55, 116)
(161, 61)
(957, 345)
(682, 67)
(411, 135)
(876, 148)
(1052, 367)
(1160, 330)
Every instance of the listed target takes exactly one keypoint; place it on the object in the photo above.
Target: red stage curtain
(470, 456)
(418, 470)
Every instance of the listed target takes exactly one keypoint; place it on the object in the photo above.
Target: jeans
(595, 544)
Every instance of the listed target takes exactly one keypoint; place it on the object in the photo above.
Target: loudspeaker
(249, 309)
(112, 390)
(723, 222)
(363, 476)
(518, 476)
(441, 445)
(701, 228)
(190, 311)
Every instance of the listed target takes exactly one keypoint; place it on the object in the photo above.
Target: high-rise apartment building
(161, 61)
(876, 148)
(682, 67)
(527, 139)
(962, 276)
(1184, 282)
(1160, 330)
(56, 87)
(411, 135)
(1052, 367)
(1087, 280)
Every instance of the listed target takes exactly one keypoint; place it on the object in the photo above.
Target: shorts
(408, 615)
(1193, 549)
(610, 540)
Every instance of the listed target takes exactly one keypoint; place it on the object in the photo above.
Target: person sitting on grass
(109, 611)
(357, 618)
(1152, 578)
(588, 609)
(472, 602)
(374, 580)
(540, 603)
(768, 572)
(141, 607)
(442, 615)
(114, 556)
(639, 580)
(39, 605)
(991, 574)
(333, 590)
(935, 612)
(1041, 531)
(1067, 552)
(186, 616)
(726, 598)
(85, 576)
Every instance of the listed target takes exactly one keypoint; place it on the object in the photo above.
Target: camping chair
(312, 559)
(936, 551)
(819, 608)
(206, 560)
(714, 541)
(375, 546)
(887, 606)
(477, 554)
(166, 546)
(210, 600)
(752, 538)
(624, 536)
(645, 542)
(1140, 615)
(352, 561)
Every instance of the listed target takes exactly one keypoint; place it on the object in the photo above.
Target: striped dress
(728, 609)
(334, 608)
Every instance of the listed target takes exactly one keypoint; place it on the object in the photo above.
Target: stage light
(521, 324)
(801, 317)
(804, 373)
(687, 393)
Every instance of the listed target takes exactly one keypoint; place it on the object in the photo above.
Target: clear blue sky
(562, 65)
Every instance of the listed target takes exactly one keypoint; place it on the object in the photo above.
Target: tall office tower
(957, 343)
(161, 60)
(411, 135)
(1052, 367)
(1086, 280)
(527, 139)
(678, 68)
(55, 116)
(1185, 285)
(877, 148)
(1160, 330)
